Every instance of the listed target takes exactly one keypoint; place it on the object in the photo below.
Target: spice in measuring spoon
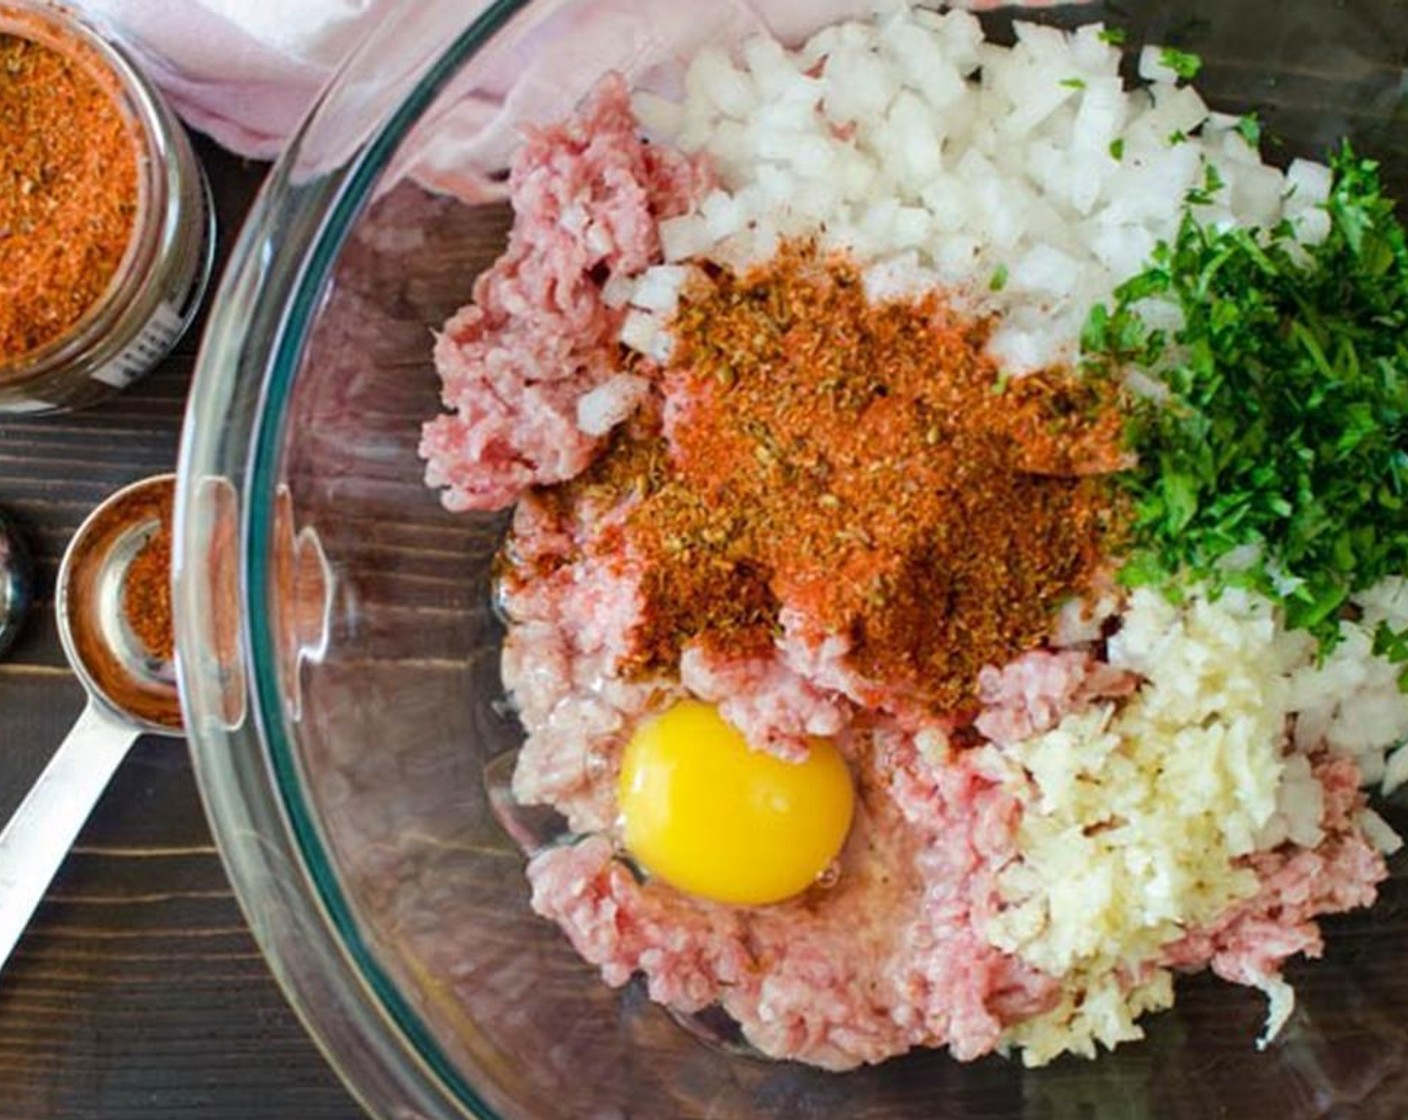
(114, 641)
(115, 604)
(68, 193)
(146, 594)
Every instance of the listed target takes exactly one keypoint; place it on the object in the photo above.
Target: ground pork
(826, 661)
(1029, 696)
(538, 338)
(775, 707)
(1251, 942)
(571, 611)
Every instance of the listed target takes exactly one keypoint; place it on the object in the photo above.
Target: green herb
(1212, 183)
(1250, 129)
(1073, 83)
(1115, 36)
(1177, 136)
(1286, 423)
(1117, 148)
(999, 279)
(1393, 644)
(1183, 63)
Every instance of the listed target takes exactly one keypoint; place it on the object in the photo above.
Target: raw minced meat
(1251, 942)
(539, 337)
(1029, 695)
(572, 620)
(775, 707)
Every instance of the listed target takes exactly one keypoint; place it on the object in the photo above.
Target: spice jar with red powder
(105, 218)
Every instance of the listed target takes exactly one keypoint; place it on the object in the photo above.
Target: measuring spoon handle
(44, 827)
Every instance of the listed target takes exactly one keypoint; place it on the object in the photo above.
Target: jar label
(144, 351)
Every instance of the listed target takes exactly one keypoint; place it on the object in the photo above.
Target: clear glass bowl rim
(264, 726)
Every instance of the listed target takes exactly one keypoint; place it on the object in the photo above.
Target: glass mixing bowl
(340, 650)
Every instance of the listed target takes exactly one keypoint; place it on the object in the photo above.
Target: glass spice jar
(158, 273)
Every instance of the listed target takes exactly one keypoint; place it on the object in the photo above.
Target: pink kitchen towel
(244, 71)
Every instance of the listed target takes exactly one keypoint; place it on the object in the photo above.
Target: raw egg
(711, 816)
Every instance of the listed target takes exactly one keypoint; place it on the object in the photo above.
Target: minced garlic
(1135, 816)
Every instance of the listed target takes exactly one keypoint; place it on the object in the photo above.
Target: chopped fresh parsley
(1073, 83)
(1115, 36)
(1393, 644)
(1183, 63)
(1177, 136)
(1213, 182)
(1284, 436)
(1117, 148)
(1250, 129)
(999, 279)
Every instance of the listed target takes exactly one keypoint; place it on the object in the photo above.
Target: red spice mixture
(146, 594)
(68, 193)
(862, 464)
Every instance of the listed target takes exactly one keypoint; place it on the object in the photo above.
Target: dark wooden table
(137, 993)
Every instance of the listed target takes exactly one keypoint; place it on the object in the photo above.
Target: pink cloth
(247, 71)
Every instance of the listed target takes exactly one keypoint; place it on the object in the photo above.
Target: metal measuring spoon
(14, 584)
(130, 693)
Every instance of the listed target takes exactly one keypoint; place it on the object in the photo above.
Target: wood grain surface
(137, 993)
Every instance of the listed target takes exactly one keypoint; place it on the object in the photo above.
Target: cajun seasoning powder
(863, 466)
(68, 192)
(146, 594)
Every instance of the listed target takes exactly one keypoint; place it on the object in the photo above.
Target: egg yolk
(711, 816)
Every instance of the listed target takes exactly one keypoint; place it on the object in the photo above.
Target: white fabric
(244, 71)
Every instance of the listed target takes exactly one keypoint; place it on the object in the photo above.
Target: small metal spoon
(15, 583)
(129, 694)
